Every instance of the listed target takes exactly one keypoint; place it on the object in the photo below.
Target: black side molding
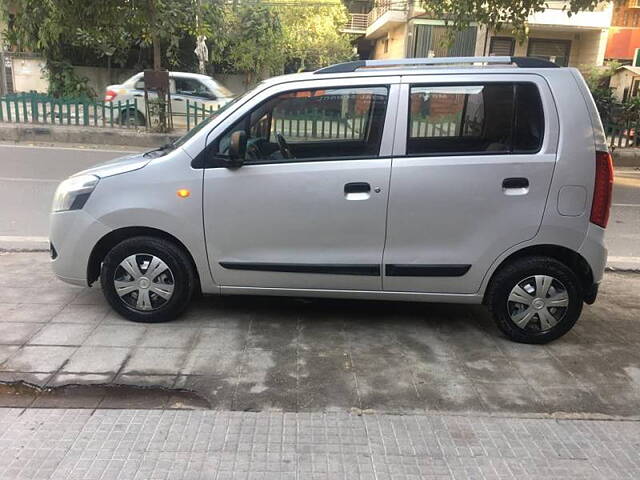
(398, 270)
(328, 268)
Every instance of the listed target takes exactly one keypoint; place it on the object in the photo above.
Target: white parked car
(185, 88)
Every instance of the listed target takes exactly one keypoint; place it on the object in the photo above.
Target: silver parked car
(201, 91)
(463, 180)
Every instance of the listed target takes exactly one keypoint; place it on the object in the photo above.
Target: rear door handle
(357, 191)
(515, 182)
(357, 187)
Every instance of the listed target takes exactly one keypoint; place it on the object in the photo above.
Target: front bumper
(73, 234)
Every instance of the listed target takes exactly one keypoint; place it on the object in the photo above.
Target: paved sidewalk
(259, 354)
(141, 445)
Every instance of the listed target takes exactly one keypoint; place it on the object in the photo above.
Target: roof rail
(522, 62)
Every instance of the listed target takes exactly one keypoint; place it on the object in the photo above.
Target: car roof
(421, 66)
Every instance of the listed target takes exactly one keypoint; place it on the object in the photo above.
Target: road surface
(30, 174)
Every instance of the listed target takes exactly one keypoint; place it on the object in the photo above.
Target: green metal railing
(622, 134)
(43, 109)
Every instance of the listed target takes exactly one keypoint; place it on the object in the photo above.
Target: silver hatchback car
(462, 180)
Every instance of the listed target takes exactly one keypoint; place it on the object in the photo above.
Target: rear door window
(492, 118)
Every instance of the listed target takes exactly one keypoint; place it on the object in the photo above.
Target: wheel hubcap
(144, 282)
(538, 303)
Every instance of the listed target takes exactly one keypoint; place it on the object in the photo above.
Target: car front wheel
(147, 279)
(535, 299)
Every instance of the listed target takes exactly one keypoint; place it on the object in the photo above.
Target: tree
(496, 14)
(43, 26)
(106, 30)
(312, 36)
(247, 38)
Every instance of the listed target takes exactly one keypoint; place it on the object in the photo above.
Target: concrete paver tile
(17, 333)
(62, 334)
(90, 359)
(36, 313)
(169, 337)
(81, 314)
(116, 335)
(33, 358)
(152, 361)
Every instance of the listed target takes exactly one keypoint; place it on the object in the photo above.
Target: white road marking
(37, 180)
(625, 204)
(611, 258)
(22, 239)
(50, 147)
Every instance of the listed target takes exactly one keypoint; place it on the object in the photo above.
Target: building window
(430, 41)
(502, 46)
(556, 51)
(385, 45)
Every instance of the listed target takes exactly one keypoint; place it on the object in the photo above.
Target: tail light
(109, 95)
(603, 189)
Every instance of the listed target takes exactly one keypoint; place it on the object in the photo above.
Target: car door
(472, 167)
(191, 97)
(307, 210)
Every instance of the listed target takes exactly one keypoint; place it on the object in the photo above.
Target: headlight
(73, 193)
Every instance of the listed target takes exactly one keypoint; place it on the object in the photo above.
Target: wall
(587, 46)
(397, 37)
(99, 77)
(621, 80)
(591, 46)
(28, 75)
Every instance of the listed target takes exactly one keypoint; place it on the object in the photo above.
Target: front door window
(313, 124)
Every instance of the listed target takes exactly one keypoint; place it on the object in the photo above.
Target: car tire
(148, 279)
(535, 299)
(132, 118)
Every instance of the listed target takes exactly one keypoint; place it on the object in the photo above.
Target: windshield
(217, 87)
(182, 140)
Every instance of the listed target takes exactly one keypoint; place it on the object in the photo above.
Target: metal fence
(622, 135)
(43, 109)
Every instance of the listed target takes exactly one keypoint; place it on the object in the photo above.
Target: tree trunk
(151, 5)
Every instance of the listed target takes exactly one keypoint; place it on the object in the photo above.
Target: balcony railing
(383, 6)
(357, 23)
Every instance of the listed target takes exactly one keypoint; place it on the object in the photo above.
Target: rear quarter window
(489, 118)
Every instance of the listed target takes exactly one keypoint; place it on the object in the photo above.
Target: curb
(83, 135)
(626, 157)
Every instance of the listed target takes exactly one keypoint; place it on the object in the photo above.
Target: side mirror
(237, 148)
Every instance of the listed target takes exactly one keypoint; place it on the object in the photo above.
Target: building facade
(624, 34)
(403, 30)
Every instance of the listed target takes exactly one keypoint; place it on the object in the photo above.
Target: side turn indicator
(183, 193)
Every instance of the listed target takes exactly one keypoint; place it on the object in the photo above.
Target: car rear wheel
(131, 118)
(535, 299)
(147, 279)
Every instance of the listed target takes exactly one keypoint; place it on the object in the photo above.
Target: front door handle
(357, 187)
(515, 186)
(515, 182)
(357, 191)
